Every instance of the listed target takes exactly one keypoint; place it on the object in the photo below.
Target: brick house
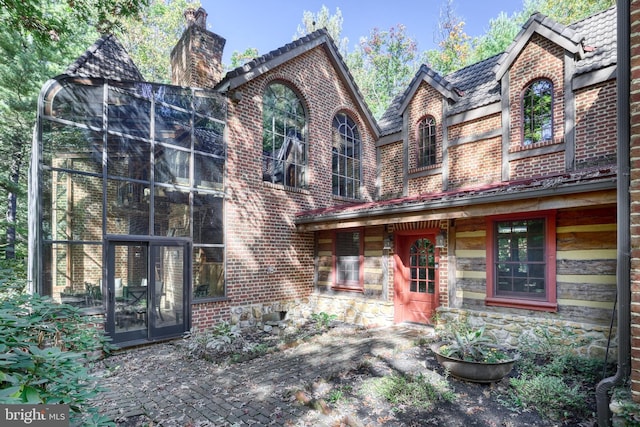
(273, 192)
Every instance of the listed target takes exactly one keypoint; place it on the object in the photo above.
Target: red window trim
(348, 286)
(550, 303)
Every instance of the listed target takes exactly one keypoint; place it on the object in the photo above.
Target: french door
(147, 289)
(416, 278)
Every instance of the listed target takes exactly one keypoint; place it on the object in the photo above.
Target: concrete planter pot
(479, 372)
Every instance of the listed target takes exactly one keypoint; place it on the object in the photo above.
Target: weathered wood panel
(472, 264)
(581, 216)
(463, 243)
(470, 224)
(594, 266)
(586, 292)
(586, 240)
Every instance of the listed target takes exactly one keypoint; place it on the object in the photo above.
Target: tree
(503, 29)
(323, 19)
(454, 48)
(36, 44)
(29, 17)
(383, 65)
(149, 38)
(238, 58)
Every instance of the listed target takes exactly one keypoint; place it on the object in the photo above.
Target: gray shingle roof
(477, 83)
(107, 59)
(600, 32)
(263, 63)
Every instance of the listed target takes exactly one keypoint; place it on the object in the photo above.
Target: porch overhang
(444, 206)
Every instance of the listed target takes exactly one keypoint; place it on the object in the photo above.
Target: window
(537, 112)
(346, 157)
(284, 141)
(348, 260)
(422, 267)
(427, 142)
(521, 262)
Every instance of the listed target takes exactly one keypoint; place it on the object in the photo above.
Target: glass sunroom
(127, 202)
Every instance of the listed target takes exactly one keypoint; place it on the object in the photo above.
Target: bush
(45, 350)
(413, 391)
(549, 395)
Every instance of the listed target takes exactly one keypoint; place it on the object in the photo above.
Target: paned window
(284, 140)
(521, 262)
(537, 112)
(346, 157)
(422, 267)
(348, 259)
(427, 142)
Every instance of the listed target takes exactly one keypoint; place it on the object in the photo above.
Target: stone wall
(590, 340)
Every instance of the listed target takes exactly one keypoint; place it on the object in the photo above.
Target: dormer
(423, 109)
(535, 75)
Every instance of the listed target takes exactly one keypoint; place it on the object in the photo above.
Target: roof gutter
(466, 201)
(623, 271)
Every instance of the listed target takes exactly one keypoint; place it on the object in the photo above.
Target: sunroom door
(147, 286)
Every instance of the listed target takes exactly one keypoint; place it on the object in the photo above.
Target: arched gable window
(426, 142)
(537, 112)
(346, 154)
(284, 139)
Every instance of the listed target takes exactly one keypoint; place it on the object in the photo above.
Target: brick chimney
(196, 60)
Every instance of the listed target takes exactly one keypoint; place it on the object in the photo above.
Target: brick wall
(635, 199)
(268, 262)
(392, 173)
(426, 102)
(474, 164)
(540, 58)
(595, 120)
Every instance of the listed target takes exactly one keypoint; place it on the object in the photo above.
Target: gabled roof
(538, 23)
(107, 59)
(478, 84)
(265, 63)
(435, 80)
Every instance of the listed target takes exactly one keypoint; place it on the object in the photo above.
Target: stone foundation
(512, 329)
(354, 309)
(349, 309)
(256, 315)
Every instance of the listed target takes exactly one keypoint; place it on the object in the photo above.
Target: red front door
(416, 278)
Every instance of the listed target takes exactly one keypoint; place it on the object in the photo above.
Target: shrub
(414, 391)
(45, 350)
(549, 395)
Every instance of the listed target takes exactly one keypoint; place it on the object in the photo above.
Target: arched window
(284, 139)
(537, 112)
(426, 142)
(346, 157)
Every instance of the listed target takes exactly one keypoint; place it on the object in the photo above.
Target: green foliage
(553, 378)
(453, 43)
(383, 64)
(45, 350)
(323, 19)
(223, 339)
(150, 37)
(322, 319)
(51, 23)
(414, 391)
(240, 58)
(339, 393)
(472, 345)
(626, 409)
(549, 395)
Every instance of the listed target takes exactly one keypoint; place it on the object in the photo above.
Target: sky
(270, 24)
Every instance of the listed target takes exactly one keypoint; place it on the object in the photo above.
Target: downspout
(624, 211)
